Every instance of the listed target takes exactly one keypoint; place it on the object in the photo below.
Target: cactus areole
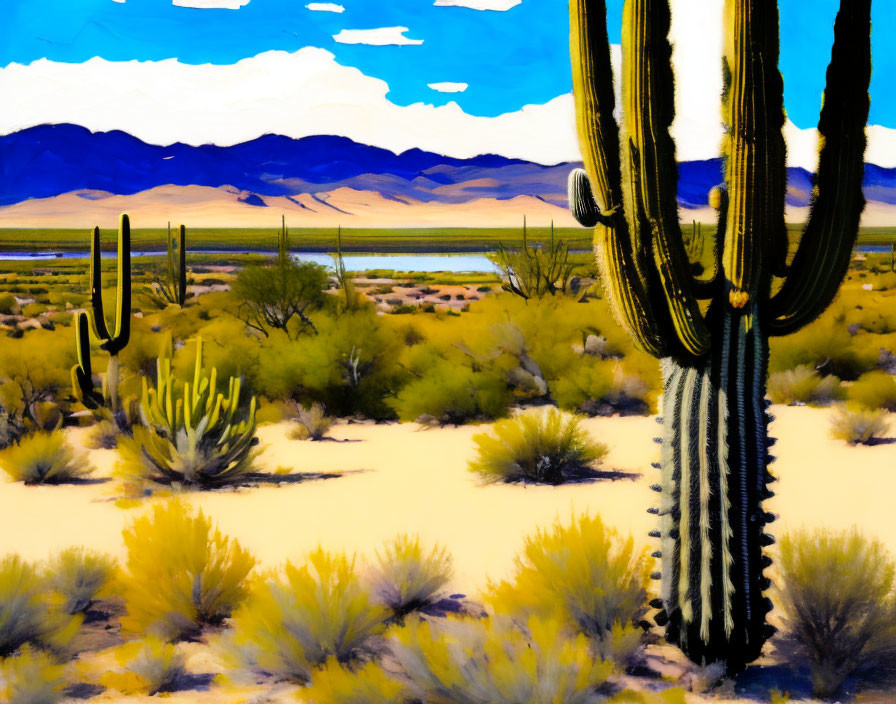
(711, 334)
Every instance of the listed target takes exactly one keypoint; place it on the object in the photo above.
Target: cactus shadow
(759, 681)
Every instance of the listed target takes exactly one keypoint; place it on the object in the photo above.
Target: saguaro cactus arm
(829, 236)
(625, 273)
(650, 174)
(82, 372)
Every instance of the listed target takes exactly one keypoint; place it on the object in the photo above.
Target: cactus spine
(113, 343)
(715, 440)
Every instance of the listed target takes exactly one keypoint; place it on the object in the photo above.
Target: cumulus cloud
(498, 5)
(162, 102)
(448, 87)
(382, 36)
(211, 4)
(324, 7)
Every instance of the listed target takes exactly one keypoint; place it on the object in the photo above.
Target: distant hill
(48, 161)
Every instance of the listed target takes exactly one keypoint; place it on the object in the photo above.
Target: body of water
(353, 262)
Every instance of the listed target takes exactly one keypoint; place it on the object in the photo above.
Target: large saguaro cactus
(714, 355)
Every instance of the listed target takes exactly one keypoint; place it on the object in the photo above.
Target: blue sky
(509, 59)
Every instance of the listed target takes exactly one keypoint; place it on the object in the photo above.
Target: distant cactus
(695, 245)
(173, 288)
(113, 343)
(715, 447)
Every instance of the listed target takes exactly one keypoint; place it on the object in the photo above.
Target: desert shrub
(803, 385)
(858, 426)
(597, 580)
(299, 619)
(348, 366)
(312, 422)
(27, 614)
(494, 660)
(79, 575)
(453, 393)
(538, 445)
(32, 310)
(837, 594)
(8, 304)
(31, 677)
(149, 667)
(407, 578)
(180, 573)
(825, 345)
(875, 389)
(369, 684)
(203, 438)
(43, 458)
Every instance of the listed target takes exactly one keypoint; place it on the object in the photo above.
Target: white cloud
(211, 4)
(498, 5)
(119, 1)
(448, 87)
(382, 36)
(162, 102)
(324, 7)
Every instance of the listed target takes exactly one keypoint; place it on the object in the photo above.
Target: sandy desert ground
(397, 478)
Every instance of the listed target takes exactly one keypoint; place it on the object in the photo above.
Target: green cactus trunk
(714, 479)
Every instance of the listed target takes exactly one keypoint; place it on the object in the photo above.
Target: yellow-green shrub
(407, 578)
(79, 576)
(180, 573)
(8, 305)
(837, 594)
(297, 620)
(875, 389)
(369, 684)
(149, 667)
(803, 385)
(858, 426)
(28, 614)
(494, 660)
(594, 579)
(31, 677)
(538, 445)
(43, 458)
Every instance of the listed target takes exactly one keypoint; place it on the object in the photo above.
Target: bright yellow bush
(875, 389)
(298, 619)
(31, 677)
(43, 458)
(333, 684)
(596, 579)
(180, 573)
(493, 660)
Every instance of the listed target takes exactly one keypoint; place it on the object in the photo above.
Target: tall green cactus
(715, 436)
(113, 343)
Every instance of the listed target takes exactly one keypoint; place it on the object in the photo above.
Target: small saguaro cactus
(174, 288)
(113, 343)
(714, 355)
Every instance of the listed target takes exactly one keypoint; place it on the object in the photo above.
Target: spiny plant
(716, 443)
(113, 343)
(351, 299)
(173, 288)
(535, 271)
(79, 576)
(695, 245)
(191, 435)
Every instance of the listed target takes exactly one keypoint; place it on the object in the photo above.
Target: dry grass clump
(148, 667)
(407, 578)
(31, 677)
(496, 660)
(803, 385)
(79, 575)
(859, 426)
(585, 572)
(297, 620)
(538, 445)
(180, 573)
(312, 422)
(839, 602)
(43, 458)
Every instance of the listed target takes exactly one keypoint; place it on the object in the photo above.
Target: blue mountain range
(50, 160)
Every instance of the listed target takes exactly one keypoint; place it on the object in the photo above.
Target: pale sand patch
(401, 478)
